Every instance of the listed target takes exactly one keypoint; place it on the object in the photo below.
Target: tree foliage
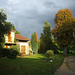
(46, 40)
(63, 32)
(17, 32)
(5, 27)
(49, 53)
(3, 18)
(35, 37)
(34, 42)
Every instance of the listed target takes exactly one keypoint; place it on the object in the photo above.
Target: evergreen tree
(46, 42)
(45, 38)
(34, 42)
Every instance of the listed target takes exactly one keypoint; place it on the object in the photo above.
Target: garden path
(68, 67)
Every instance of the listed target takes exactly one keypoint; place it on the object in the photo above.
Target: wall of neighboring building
(24, 44)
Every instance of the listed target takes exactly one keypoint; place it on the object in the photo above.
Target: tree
(35, 36)
(34, 42)
(17, 32)
(63, 32)
(3, 18)
(46, 38)
(5, 27)
(8, 27)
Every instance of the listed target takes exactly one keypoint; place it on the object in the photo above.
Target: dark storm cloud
(28, 16)
(50, 4)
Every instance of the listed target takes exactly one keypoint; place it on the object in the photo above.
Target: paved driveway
(68, 67)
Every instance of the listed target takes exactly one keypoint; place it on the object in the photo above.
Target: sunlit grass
(30, 65)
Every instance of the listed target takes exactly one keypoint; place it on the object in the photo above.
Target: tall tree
(5, 27)
(35, 36)
(34, 42)
(3, 18)
(45, 39)
(63, 32)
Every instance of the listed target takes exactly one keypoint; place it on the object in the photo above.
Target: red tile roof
(19, 37)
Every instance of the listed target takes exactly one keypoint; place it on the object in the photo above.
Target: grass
(30, 65)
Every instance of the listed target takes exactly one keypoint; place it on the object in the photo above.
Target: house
(23, 43)
(20, 40)
(10, 39)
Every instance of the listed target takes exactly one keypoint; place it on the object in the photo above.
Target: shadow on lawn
(28, 65)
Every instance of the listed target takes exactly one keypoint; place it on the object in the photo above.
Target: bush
(15, 47)
(6, 52)
(12, 54)
(20, 54)
(49, 53)
(1, 52)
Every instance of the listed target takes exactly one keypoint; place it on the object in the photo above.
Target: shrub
(6, 52)
(15, 47)
(1, 52)
(12, 54)
(20, 54)
(49, 53)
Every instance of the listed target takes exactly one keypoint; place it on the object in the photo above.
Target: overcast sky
(28, 16)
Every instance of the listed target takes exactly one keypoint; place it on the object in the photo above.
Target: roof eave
(22, 39)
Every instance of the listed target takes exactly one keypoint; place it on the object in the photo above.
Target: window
(9, 37)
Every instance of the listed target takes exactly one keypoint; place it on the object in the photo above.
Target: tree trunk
(65, 50)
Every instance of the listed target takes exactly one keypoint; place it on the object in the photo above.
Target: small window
(6, 46)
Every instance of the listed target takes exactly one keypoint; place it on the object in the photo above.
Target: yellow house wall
(6, 38)
(24, 44)
(12, 37)
(20, 43)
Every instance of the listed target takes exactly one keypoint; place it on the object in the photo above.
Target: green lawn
(29, 65)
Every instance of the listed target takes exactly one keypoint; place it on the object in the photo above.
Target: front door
(23, 49)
